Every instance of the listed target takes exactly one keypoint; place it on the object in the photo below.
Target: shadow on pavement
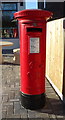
(53, 106)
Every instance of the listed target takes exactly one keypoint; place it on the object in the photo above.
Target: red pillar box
(32, 25)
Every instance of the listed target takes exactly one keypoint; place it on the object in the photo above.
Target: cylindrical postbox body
(32, 25)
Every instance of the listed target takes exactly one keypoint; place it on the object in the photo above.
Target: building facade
(57, 8)
(9, 30)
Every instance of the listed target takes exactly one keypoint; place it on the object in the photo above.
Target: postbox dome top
(33, 13)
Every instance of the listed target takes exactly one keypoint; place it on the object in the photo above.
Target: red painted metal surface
(32, 65)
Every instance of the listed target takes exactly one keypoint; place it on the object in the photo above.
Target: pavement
(54, 108)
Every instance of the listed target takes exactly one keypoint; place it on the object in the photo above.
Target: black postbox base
(33, 101)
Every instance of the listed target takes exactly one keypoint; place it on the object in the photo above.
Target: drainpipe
(44, 4)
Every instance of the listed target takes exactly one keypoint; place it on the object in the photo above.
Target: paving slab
(54, 109)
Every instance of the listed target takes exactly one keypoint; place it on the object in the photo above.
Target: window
(9, 26)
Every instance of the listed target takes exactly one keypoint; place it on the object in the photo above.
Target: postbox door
(36, 60)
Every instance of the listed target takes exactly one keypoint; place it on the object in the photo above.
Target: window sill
(10, 38)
